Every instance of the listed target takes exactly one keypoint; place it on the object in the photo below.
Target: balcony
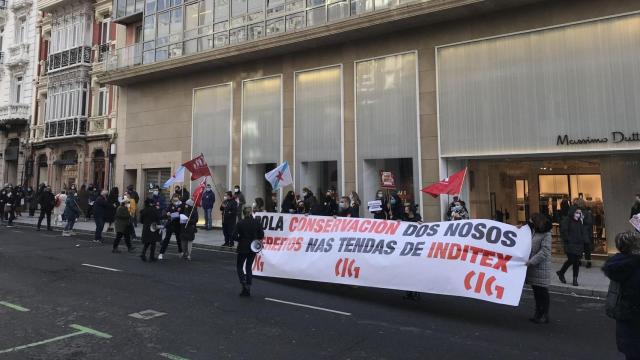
(66, 128)
(69, 58)
(18, 56)
(48, 5)
(16, 5)
(99, 125)
(14, 115)
(3, 11)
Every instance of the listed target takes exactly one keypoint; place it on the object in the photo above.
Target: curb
(111, 236)
(576, 291)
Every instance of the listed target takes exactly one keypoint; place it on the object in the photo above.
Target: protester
(272, 205)
(623, 298)
(71, 214)
(93, 195)
(458, 212)
(239, 197)
(188, 228)
(114, 201)
(330, 204)
(101, 209)
(157, 199)
(133, 194)
(173, 225)
(182, 193)
(344, 207)
(355, 204)
(587, 223)
(229, 210)
(208, 199)
(134, 200)
(58, 210)
(83, 200)
(301, 208)
(148, 216)
(289, 203)
(396, 207)
(33, 205)
(3, 201)
(47, 201)
(573, 237)
(12, 199)
(307, 197)
(122, 221)
(258, 205)
(635, 209)
(539, 266)
(132, 207)
(18, 200)
(383, 213)
(248, 230)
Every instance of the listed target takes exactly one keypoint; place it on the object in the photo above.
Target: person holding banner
(173, 225)
(229, 210)
(248, 229)
(289, 203)
(383, 213)
(355, 204)
(344, 207)
(396, 208)
(539, 266)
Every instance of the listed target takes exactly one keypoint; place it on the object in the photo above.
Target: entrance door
(156, 177)
(319, 176)
(255, 184)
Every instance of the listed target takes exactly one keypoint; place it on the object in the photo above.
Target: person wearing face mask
(208, 199)
(258, 205)
(396, 207)
(182, 193)
(635, 209)
(289, 203)
(229, 210)
(539, 266)
(173, 225)
(355, 204)
(300, 207)
(122, 222)
(574, 237)
(272, 206)
(46, 201)
(101, 208)
(384, 212)
(71, 213)
(330, 205)
(458, 212)
(158, 200)
(148, 216)
(307, 196)
(188, 230)
(239, 197)
(344, 207)
(10, 205)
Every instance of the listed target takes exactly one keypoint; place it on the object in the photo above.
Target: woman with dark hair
(574, 238)
(148, 216)
(289, 203)
(114, 202)
(623, 298)
(396, 207)
(258, 205)
(539, 266)
(355, 204)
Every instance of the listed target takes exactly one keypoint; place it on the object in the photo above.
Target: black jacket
(229, 211)
(101, 208)
(574, 236)
(247, 230)
(188, 231)
(148, 216)
(47, 201)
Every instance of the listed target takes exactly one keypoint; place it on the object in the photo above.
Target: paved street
(54, 297)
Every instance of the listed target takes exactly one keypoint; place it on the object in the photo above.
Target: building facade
(17, 65)
(345, 89)
(74, 122)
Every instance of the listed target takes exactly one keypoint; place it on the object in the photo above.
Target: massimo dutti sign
(616, 137)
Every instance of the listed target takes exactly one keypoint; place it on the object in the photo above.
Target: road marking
(14, 306)
(81, 331)
(172, 357)
(147, 314)
(309, 306)
(101, 267)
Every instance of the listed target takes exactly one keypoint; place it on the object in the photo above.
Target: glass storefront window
(275, 7)
(238, 7)
(221, 26)
(295, 22)
(164, 21)
(175, 50)
(361, 6)
(338, 11)
(312, 3)
(191, 17)
(150, 6)
(162, 53)
(176, 21)
(221, 39)
(162, 4)
(149, 27)
(237, 36)
(206, 13)
(221, 11)
(256, 31)
(205, 43)
(149, 45)
(148, 57)
(382, 4)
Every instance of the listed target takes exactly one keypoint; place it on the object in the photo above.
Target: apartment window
(21, 31)
(105, 27)
(67, 100)
(73, 30)
(138, 36)
(102, 100)
(1, 36)
(17, 89)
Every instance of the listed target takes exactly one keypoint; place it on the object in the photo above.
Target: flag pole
(195, 205)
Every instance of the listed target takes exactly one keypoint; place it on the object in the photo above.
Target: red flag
(197, 193)
(449, 186)
(198, 167)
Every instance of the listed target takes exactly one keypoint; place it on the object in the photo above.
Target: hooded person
(150, 236)
(623, 298)
(188, 229)
(47, 201)
(122, 222)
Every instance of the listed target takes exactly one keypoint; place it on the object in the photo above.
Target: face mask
(304, 193)
(236, 190)
(457, 208)
(379, 195)
(577, 216)
(343, 205)
(254, 205)
(393, 201)
(155, 193)
(208, 189)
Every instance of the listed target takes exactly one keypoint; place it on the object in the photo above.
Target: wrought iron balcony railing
(68, 58)
(65, 128)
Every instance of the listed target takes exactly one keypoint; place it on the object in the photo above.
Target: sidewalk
(213, 238)
(592, 281)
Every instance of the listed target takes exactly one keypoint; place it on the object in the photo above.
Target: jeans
(208, 221)
(541, 295)
(172, 228)
(42, 215)
(99, 228)
(246, 260)
(70, 223)
(574, 261)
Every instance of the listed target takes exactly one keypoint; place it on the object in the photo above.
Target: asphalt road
(205, 319)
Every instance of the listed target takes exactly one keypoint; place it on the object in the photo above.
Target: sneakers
(65, 233)
(160, 257)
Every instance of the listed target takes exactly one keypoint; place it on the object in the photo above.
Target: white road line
(309, 306)
(101, 267)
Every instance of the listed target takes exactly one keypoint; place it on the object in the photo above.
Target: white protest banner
(480, 259)
(635, 221)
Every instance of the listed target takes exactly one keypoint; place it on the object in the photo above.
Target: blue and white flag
(178, 177)
(280, 176)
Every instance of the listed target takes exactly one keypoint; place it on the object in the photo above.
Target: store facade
(545, 116)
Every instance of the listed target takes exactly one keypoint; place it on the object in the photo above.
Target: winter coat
(47, 201)
(71, 210)
(183, 195)
(587, 223)
(355, 211)
(83, 200)
(247, 230)
(229, 212)
(148, 216)
(122, 219)
(288, 206)
(100, 208)
(208, 199)
(574, 236)
(188, 231)
(62, 203)
(174, 223)
(415, 218)
(539, 269)
(623, 301)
